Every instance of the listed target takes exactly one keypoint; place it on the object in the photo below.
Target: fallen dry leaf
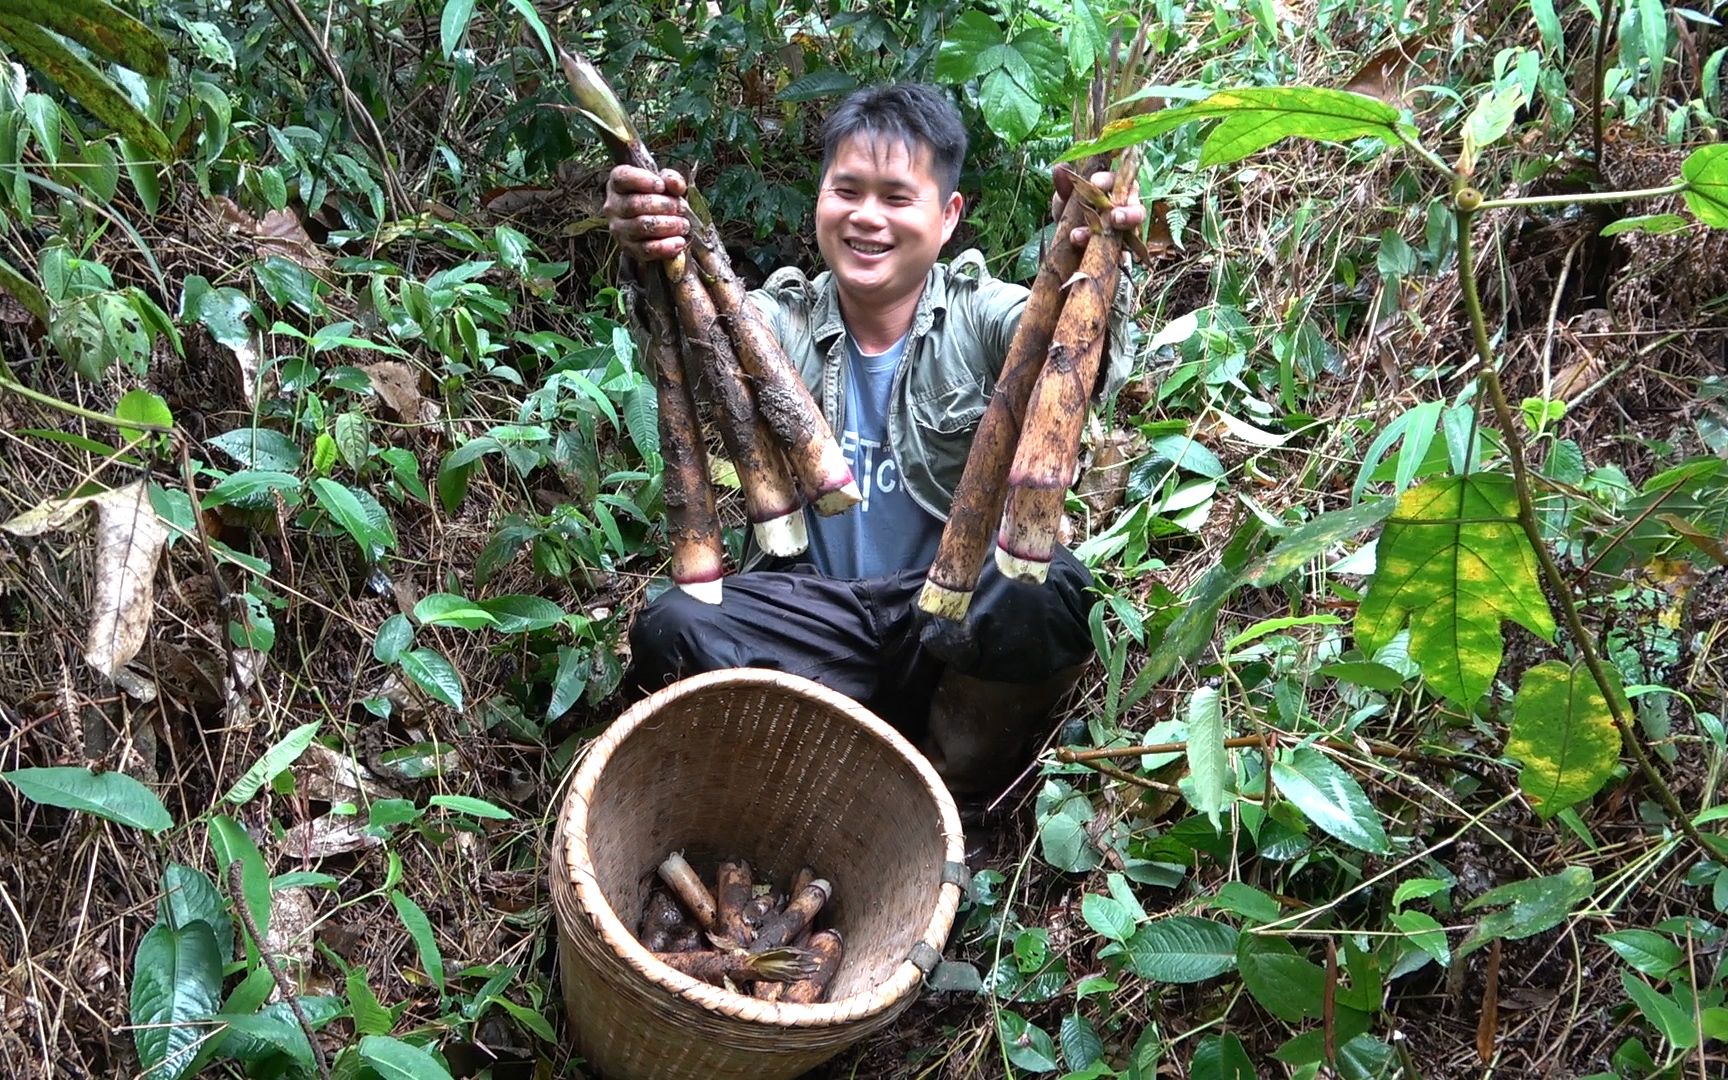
(46, 516)
(398, 386)
(289, 935)
(1385, 74)
(129, 542)
(279, 232)
(323, 837)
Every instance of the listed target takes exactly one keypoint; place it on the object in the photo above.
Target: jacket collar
(830, 325)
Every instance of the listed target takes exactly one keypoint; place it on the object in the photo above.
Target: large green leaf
(1208, 761)
(394, 1059)
(420, 929)
(1532, 906)
(1675, 1023)
(1182, 949)
(1563, 735)
(187, 897)
(81, 79)
(968, 41)
(113, 796)
(259, 448)
(1706, 174)
(284, 753)
(176, 980)
(1454, 562)
(98, 26)
(1258, 116)
(1222, 1057)
(1329, 798)
(24, 291)
(1290, 986)
(346, 509)
(433, 674)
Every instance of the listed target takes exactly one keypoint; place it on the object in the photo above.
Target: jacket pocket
(953, 409)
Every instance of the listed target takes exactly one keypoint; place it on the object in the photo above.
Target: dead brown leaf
(398, 386)
(325, 836)
(1387, 72)
(129, 542)
(289, 936)
(279, 232)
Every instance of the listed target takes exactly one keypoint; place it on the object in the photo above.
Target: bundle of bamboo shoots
(1024, 454)
(775, 435)
(746, 936)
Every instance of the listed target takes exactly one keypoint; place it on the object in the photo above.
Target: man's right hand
(645, 212)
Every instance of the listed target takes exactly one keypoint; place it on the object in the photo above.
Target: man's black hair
(912, 114)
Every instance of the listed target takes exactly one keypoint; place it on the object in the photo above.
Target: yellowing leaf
(129, 542)
(1453, 562)
(1564, 736)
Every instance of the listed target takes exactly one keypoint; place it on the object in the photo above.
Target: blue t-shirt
(887, 531)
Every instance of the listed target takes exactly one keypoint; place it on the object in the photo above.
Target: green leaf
(1548, 24)
(1009, 105)
(453, 23)
(433, 674)
(420, 929)
(1649, 952)
(284, 753)
(1208, 761)
(213, 45)
(1256, 117)
(1221, 1057)
(569, 681)
(466, 804)
(1654, 224)
(1182, 949)
(1367, 1058)
(1192, 629)
(1107, 917)
(1418, 889)
(1330, 798)
(370, 1017)
(1368, 673)
(1045, 61)
(1705, 171)
(112, 796)
(86, 84)
(274, 1031)
(232, 845)
(259, 448)
(449, 609)
(1453, 562)
(1533, 906)
(1081, 1044)
(519, 613)
(394, 636)
(1289, 986)
(1314, 539)
(1425, 932)
(24, 291)
(344, 506)
(1088, 40)
(188, 897)
(176, 980)
(252, 489)
(969, 38)
(1563, 736)
(393, 1059)
(1028, 1046)
(1489, 121)
(1062, 838)
(1247, 902)
(353, 439)
(100, 27)
(142, 407)
(1663, 1012)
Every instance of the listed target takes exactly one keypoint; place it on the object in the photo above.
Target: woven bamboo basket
(785, 773)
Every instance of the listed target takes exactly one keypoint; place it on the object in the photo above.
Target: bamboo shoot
(713, 966)
(694, 895)
(826, 951)
(781, 928)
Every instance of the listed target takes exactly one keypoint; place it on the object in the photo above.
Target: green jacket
(960, 334)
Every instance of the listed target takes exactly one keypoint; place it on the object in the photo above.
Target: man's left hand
(1130, 217)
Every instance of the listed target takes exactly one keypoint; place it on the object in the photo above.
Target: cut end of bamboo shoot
(839, 500)
(783, 536)
(943, 602)
(1021, 567)
(709, 592)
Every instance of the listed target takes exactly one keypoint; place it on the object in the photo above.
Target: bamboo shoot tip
(840, 499)
(943, 602)
(783, 536)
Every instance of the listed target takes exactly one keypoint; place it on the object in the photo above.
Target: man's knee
(1024, 632)
(666, 640)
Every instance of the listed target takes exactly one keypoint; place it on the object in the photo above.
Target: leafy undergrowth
(329, 489)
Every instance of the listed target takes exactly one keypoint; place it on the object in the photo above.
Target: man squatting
(902, 354)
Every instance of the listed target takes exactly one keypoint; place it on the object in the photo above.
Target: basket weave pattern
(785, 773)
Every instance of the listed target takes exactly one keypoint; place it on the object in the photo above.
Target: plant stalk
(1584, 197)
(1489, 379)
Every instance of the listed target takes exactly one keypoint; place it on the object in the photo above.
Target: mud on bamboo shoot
(784, 401)
(771, 501)
(977, 507)
(1056, 412)
(732, 894)
(826, 950)
(781, 928)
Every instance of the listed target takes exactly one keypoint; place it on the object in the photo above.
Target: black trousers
(865, 638)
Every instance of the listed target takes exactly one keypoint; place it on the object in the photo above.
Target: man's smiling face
(881, 219)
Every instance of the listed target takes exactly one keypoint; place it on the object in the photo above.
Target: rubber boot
(982, 734)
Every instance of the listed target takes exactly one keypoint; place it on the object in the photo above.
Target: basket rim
(617, 936)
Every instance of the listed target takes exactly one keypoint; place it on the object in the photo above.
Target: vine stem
(11, 385)
(1466, 202)
(237, 884)
(1584, 197)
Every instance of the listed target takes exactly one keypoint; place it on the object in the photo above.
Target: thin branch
(1585, 197)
